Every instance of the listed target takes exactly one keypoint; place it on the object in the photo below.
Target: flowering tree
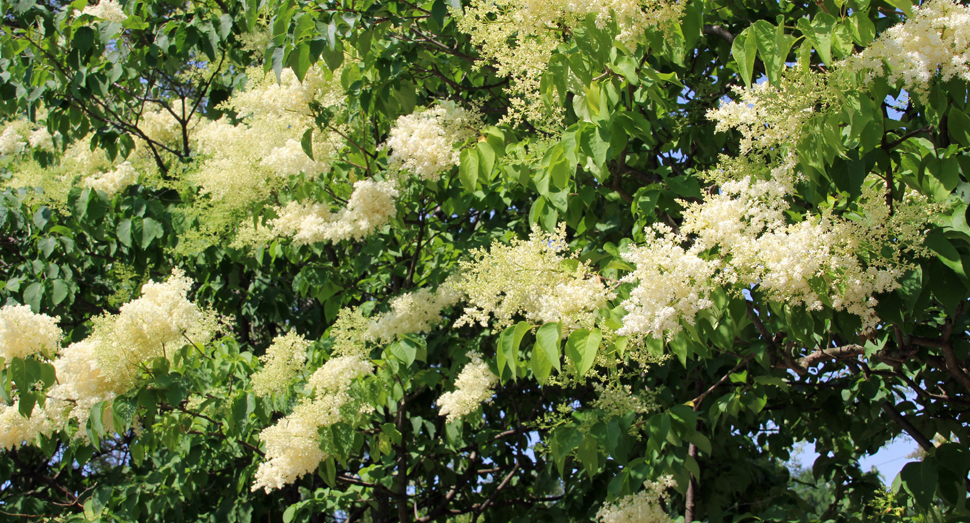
(500, 260)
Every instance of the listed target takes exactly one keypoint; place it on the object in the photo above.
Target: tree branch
(719, 31)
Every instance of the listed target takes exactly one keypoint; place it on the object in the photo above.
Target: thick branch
(904, 424)
(719, 31)
(834, 353)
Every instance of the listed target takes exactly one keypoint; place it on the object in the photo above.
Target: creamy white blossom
(245, 161)
(935, 40)
(290, 159)
(413, 312)
(336, 375)
(154, 325)
(423, 142)
(740, 238)
(23, 333)
(532, 278)
(293, 444)
(771, 116)
(161, 126)
(10, 141)
(113, 182)
(642, 507)
(520, 36)
(41, 140)
(292, 449)
(16, 430)
(80, 384)
(371, 205)
(475, 385)
(107, 10)
(283, 361)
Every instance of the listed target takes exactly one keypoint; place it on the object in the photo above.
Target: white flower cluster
(350, 333)
(41, 140)
(107, 363)
(160, 126)
(283, 361)
(293, 444)
(22, 333)
(15, 430)
(292, 449)
(371, 206)
(642, 507)
(519, 37)
(154, 325)
(412, 312)
(935, 40)
(632, 16)
(768, 116)
(740, 238)
(423, 142)
(290, 159)
(335, 376)
(474, 385)
(246, 162)
(107, 10)
(618, 400)
(530, 278)
(10, 141)
(113, 182)
(674, 285)
(80, 384)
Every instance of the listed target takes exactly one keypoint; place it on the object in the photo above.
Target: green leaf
(745, 51)
(773, 46)
(468, 169)
(124, 232)
(581, 349)
(541, 366)
(588, 455)
(702, 443)
(33, 294)
(627, 66)
(95, 424)
(937, 242)
(123, 412)
(329, 472)
(564, 439)
(48, 374)
(307, 143)
(508, 346)
(150, 229)
(334, 55)
(47, 246)
(823, 26)
(906, 6)
(404, 350)
(21, 376)
(83, 39)
(958, 126)
(242, 406)
(486, 158)
(920, 479)
(60, 291)
(946, 170)
(548, 339)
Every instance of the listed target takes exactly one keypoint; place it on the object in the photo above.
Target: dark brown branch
(907, 136)
(501, 486)
(719, 31)
(700, 399)
(833, 353)
(904, 424)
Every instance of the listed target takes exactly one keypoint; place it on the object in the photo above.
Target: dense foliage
(497, 260)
